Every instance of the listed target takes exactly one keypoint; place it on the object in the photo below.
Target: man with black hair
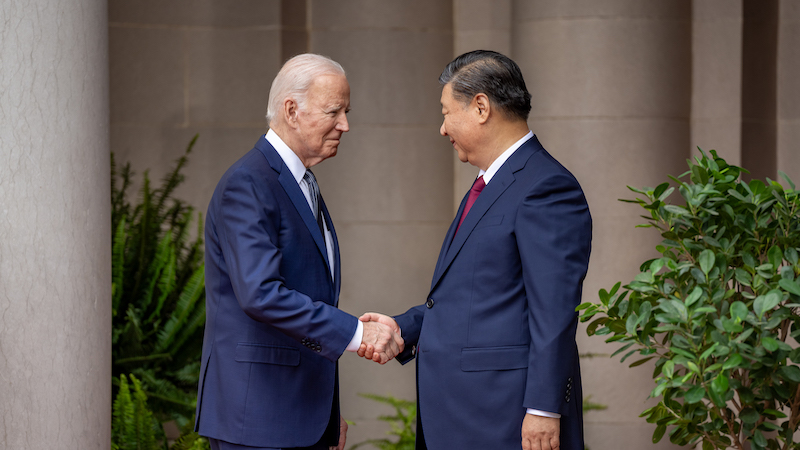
(495, 344)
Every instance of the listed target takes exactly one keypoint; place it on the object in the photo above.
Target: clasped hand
(381, 340)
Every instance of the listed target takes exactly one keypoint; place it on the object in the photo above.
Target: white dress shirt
(298, 170)
(487, 177)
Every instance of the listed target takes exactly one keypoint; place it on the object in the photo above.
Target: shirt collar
(495, 166)
(289, 157)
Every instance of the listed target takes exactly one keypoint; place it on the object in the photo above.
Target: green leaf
(749, 415)
(739, 311)
(769, 343)
(630, 324)
(693, 296)
(792, 373)
(720, 384)
(668, 369)
(695, 394)
(659, 433)
(790, 286)
(759, 439)
(775, 256)
(706, 260)
(641, 361)
(764, 303)
(733, 361)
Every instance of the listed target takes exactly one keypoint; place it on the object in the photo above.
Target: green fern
(133, 426)
(403, 424)
(158, 295)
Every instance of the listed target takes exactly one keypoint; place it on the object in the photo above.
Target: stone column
(611, 89)
(717, 78)
(759, 88)
(55, 240)
(788, 89)
(477, 25)
(390, 188)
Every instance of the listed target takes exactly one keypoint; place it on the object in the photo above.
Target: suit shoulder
(542, 165)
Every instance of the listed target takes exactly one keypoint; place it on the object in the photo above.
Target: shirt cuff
(537, 412)
(355, 343)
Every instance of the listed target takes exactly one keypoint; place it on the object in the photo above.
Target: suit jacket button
(429, 303)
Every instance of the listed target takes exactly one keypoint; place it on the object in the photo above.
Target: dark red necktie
(477, 187)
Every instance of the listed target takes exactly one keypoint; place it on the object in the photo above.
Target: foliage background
(718, 311)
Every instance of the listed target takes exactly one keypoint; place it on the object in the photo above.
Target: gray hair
(295, 78)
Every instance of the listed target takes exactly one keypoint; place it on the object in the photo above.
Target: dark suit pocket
(476, 359)
(267, 354)
(489, 221)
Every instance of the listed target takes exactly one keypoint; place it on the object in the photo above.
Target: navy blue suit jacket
(273, 330)
(497, 334)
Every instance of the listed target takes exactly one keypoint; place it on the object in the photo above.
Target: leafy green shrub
(403, 423)
(718, 311)
(158, 297)
(133, 426)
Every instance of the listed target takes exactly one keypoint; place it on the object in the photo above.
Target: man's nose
(442, 131)
(343, 125)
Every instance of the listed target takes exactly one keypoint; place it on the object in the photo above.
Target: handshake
(381, 340)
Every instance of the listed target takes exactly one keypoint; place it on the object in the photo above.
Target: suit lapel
(448, 240)
(499, 183)
(295, 194)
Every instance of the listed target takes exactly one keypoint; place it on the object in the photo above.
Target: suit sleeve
(410, 324)
(554, 238)
(248, 220)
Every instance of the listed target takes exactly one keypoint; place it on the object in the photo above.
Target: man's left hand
(541, 433)
(342, 434)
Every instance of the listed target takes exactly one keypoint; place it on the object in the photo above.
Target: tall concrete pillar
(55, 255)
(477, 25)
(610, 85)
(390, 188)
(788, 90)
(717, 78)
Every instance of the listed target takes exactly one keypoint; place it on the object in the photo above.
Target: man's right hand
(381, 340)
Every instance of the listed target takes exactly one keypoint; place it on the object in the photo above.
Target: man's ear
(290, 110)
(482, 107)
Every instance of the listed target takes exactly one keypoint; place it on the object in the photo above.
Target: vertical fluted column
(788, 90)
(477, 25)
(611, 90)
(55, 256)
(390, 187)
(717, 77)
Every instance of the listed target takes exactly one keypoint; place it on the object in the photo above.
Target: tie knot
(309, 177)
(478, 185)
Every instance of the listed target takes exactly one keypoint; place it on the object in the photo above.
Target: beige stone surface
(156, 149)
(789, 156)
(250, 13)
(229, 73)
(615, 9)
(391, 80)
(608, 69)
(389, 173)
(607, 155)
(369, 14)
(55, 257)
(623, 92)
(482, 15)
(148, 75)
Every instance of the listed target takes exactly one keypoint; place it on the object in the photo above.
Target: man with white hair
(269, 378)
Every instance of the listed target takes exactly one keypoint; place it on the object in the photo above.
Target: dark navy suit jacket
(273, 330)
(497, 333)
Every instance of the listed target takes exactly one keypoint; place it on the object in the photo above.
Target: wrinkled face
(458, 124)
(322, 120)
